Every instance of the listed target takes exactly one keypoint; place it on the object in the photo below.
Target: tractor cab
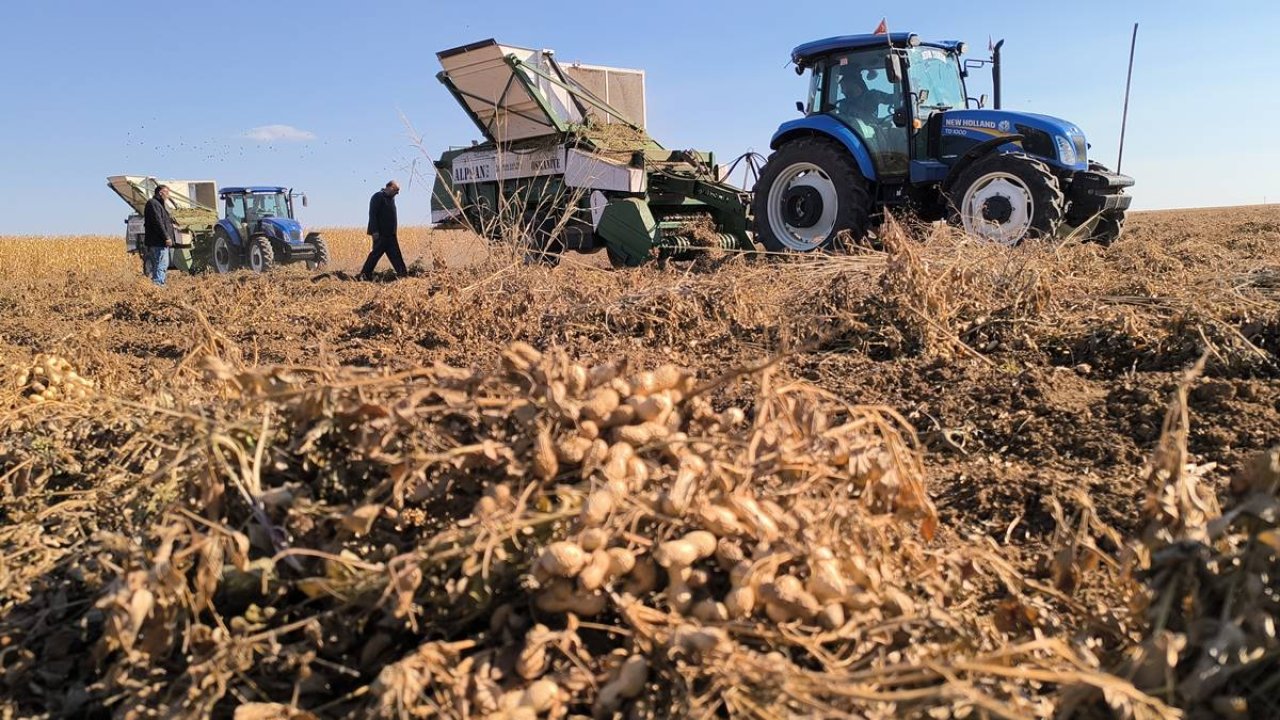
(254, 210)
(258, 229)
(867, 88)
(889, 123)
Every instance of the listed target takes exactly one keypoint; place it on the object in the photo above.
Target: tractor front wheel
(1109, 228)
(262, 257)
(223, 256)
(809, 191)
(322, 254)
(1007, 197)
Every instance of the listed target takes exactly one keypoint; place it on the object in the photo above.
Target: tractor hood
(286, 229)
(1059, 142)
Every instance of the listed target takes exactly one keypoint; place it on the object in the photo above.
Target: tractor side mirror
(800, 107)
(900, 117)
(922, 96)
(893, 68)
(304, 200)
(982, 100)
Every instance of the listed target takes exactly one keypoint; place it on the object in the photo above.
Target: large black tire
(262, 257)
(223, 256)
(1109, 228)
(542, 245)
(1007, 198)
(796, 188)
(322, 254)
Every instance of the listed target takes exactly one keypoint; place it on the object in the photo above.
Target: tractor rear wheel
(224, 256)
(1007, 197)
(262, 257)
(322, 254)
(808, 192)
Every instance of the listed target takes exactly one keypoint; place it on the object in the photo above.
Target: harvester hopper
(515, 93)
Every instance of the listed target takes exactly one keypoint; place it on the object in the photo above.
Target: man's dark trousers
(387, 245)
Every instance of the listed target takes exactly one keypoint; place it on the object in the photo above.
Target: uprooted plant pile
(544, 541)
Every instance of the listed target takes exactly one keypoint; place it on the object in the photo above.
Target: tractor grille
(1082, 148)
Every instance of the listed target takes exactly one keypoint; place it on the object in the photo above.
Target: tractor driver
(858, 102)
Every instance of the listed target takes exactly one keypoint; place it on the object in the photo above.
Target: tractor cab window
(937, 71)
(861, 95)
(269, 205)
(816, 80)
(235, 209)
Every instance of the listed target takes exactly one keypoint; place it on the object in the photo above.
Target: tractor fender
(825, 125)
(232, 232)
(976, 153)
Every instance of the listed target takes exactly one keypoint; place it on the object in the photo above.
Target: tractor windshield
(937, 71)
(269, 205)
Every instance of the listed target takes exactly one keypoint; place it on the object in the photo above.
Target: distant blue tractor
(889, 124)
(258, 230)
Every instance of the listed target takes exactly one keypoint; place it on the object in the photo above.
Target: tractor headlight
(1066, 150)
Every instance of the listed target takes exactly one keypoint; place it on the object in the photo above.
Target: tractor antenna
(1128, 83)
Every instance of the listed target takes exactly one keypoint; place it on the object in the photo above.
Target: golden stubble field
(938, 480)
(27, 257)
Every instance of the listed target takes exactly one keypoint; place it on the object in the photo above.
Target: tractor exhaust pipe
(995, 74)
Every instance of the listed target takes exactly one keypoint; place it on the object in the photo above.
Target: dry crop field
(942, 480)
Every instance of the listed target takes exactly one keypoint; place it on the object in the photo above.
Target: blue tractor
(889, 123)
(258, 231)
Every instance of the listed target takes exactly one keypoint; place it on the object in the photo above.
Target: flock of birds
(232, 158)
(227, 156)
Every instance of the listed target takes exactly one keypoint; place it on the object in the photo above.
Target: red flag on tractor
(882, 28)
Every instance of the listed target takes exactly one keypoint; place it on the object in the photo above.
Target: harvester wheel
(322, 254)
(262, 257)
(223, 256)
(543, 246)
(808, 192)
(1109, 228)
(1006, 198)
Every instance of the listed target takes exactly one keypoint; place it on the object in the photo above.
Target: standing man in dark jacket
(159, 235)
(382, 228)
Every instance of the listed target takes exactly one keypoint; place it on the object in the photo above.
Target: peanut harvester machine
(191, 204)
(566, 163)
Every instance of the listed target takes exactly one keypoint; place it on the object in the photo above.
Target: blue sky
(177, 89)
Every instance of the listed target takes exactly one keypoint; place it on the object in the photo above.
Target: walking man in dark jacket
(159, 235)
(382, 228)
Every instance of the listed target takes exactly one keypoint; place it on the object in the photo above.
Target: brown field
(943, 480)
